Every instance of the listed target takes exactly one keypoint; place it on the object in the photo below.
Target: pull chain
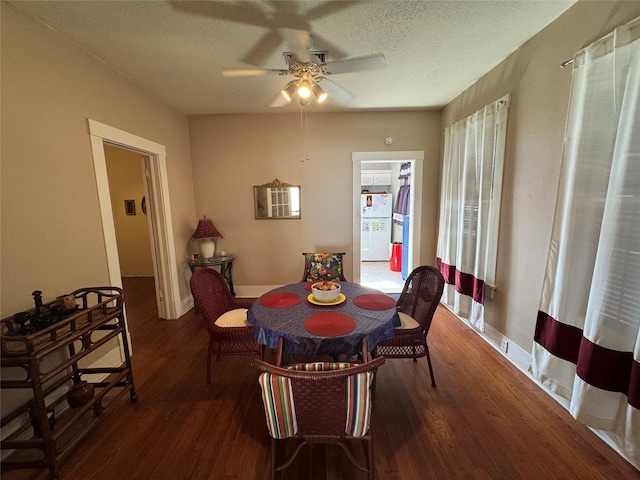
(303, 130)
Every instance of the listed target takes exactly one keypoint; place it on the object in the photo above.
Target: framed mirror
(277, 200)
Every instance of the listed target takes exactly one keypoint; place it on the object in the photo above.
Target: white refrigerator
(376, 219)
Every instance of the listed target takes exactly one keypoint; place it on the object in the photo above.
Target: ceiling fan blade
(356, 64)
(326, 9)
(253, 72)
(279, 101)
(336, 52)
(266, 46)
(298, 41)
(336, 92)
(248, 13)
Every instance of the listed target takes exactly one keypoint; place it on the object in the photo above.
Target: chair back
(323, 266)
(421, 294)
(321, 399)
(211, 294)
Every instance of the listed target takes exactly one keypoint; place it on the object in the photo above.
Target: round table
(286, 312)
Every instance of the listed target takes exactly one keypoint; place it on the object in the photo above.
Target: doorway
(161, 227)
(379, 274)
(130, 215)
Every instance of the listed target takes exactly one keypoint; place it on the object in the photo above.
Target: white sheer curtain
(470, 208)
(587, 342)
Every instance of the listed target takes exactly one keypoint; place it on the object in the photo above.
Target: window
(588, 324)
(470, 208)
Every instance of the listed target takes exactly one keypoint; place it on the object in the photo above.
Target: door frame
(415, 200)
(164, 265)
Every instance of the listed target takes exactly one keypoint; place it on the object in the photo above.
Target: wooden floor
(485, 419)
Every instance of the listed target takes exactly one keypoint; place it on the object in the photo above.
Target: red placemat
(329, 324)
(307, 286)
(374, 301)
(279, 300)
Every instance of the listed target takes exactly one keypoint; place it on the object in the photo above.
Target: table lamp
(206, 232)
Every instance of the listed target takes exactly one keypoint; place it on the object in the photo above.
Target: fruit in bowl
(325, 291)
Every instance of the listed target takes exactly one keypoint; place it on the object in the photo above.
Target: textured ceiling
(176, 50)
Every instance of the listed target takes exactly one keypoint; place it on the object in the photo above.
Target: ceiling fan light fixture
(288, 91)
(304, 89)
(320, 93)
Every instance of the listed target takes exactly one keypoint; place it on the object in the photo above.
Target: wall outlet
(504, 345)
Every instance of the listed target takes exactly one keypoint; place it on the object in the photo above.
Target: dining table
(312, 328)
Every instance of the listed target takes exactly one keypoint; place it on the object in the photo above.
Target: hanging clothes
(404, 194)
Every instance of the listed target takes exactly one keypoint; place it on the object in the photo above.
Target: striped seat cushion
(279, 404)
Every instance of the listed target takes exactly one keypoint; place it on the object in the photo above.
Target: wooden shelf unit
(45, 362)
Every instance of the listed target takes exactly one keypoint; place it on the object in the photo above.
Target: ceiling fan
(310, 70)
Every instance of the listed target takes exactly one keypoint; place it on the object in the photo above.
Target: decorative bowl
(80, 393)
(325, 292)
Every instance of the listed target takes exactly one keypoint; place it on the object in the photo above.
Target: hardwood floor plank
(484, 420)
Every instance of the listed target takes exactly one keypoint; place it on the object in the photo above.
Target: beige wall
(51, 236)
(232, 153)
(132, 231)
(539, 98)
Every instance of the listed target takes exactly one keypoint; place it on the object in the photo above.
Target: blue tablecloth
(272, 323)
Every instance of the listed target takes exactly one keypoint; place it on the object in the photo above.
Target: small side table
(225, 262)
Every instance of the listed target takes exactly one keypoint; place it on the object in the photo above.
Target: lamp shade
(320, 94)
(288, 91)
(206, 229)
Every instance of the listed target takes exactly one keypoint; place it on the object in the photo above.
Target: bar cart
(45, 362)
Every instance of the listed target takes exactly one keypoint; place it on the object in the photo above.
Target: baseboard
(514, 353)
(186, 304)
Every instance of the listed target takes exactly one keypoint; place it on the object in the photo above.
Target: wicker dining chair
(320, 402)
(323, 266)
(416, 306)
(224, 318)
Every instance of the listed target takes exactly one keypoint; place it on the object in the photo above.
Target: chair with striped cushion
(321, 402)
(416, 306)
(224, 318)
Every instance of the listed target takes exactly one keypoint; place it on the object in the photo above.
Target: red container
(396, 257)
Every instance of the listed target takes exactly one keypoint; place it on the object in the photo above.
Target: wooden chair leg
(280, 352)
(209, 358)
(374, 354)
(373, 387)
(274, 458)
(433, 379)
(370, 459)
